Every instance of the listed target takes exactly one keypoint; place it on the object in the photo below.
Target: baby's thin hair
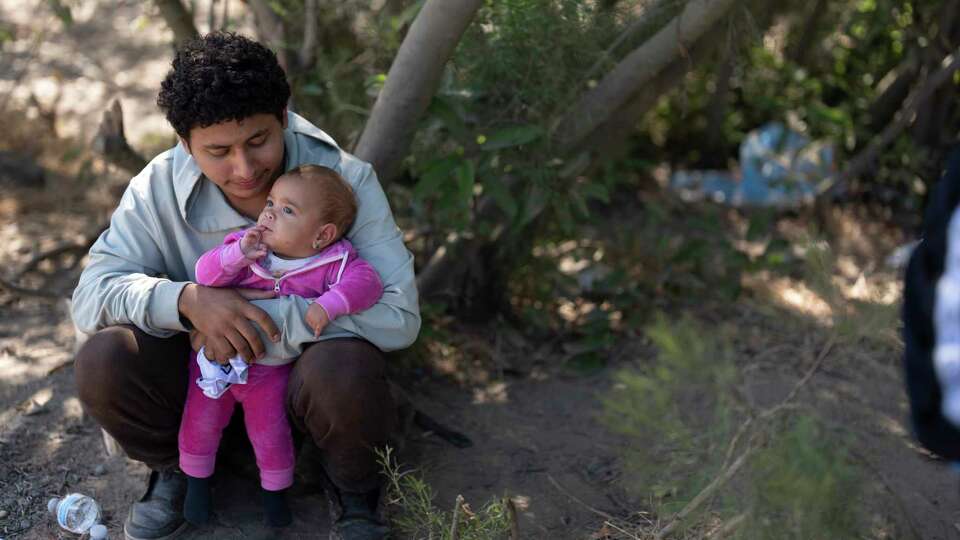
(339, 202)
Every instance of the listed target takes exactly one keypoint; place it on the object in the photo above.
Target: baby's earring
(316, 244)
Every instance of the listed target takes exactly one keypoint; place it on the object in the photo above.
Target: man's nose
(243, 166)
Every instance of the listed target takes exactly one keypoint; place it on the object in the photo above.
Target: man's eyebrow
(257, 134)
(223, 146)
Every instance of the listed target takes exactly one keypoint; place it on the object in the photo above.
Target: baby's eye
(287, 210)
(269, 203)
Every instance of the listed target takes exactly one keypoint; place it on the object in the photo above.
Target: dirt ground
(535, 425)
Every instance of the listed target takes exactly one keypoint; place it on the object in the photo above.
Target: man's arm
(120, 284)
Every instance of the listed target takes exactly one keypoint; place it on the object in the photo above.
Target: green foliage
(678, 411)
(828, 87)
(416, 517)
(803, 485)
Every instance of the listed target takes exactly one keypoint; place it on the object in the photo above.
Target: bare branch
(179, 19)
(865, 159)
(270, 29)
(412, 81)
(111, 142)
(638, 68)
(309, 45)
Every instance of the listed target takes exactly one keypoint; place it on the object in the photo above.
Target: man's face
(292, 219)
(241, 157)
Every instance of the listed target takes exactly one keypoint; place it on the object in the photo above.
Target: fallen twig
(514, 523)
(575, 499)
(24, 291)
(455, 521)
(727, 527)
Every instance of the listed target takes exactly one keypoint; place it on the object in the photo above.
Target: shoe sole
(180, 530)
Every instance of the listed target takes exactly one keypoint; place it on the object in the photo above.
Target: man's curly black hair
(220, 77)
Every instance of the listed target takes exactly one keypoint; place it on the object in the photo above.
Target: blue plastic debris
(778, 168)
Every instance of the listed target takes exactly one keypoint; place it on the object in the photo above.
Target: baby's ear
(327, 234)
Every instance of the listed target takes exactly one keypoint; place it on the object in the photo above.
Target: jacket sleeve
(123, 281)
(224, 265)
(394, 320)
(359, 288)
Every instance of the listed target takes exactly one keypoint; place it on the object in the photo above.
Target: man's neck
(250, 208)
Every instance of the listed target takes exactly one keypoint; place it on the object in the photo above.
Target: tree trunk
(179, 19)
(713, 154)
(891, 98)
(924, 90)
(445, 270)
(271, 31)
(802, 48)
(412, 81)
(639, 68)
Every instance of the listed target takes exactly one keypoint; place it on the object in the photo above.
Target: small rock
(3, 514)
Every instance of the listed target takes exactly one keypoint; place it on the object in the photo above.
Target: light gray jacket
(171, 214)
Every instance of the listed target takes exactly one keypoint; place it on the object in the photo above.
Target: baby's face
(291, 219)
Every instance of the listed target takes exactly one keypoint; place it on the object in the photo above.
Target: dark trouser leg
(338, 394)
(135, 385)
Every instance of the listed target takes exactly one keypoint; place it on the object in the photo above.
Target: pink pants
(262, 399)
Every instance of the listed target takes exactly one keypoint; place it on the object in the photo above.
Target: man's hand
(250, 244)
(223, 317)
(197, 340)
(317, 318)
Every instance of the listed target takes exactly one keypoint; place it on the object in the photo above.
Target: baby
(295, 248)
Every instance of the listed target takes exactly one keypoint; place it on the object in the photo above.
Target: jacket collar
(201, 203)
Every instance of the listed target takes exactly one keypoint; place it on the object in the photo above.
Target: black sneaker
(158, 515)
(358, 518)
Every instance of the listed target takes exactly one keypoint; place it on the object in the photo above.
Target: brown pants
(135, 386)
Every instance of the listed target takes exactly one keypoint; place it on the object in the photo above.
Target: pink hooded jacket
(337, 279)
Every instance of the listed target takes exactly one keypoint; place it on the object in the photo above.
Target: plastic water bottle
(76, 512)
(98, 532)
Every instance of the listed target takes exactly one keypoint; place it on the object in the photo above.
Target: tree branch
(638, 68)
(179, 19)
(309, 45)
(270, 29)
(411, 82)
(111, 141)
(865, 159)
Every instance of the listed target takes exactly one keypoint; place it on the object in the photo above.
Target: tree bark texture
(411, 82)
(271, 30)
(179, 19)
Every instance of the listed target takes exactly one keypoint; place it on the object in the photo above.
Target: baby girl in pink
(295, 248)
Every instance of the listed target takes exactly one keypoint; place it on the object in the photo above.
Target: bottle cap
(98, 532)
(52, 504)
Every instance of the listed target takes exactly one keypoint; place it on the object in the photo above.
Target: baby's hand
(317, 318)
(250, 244)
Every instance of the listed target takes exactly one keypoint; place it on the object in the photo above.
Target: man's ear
(186, 144)
(325, 236)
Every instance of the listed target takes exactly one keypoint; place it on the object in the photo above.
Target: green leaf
(595, 190)
(501, 195)
(512, 136)
(465, 174)
(435, 174)
(449, 114)
(579, 205)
